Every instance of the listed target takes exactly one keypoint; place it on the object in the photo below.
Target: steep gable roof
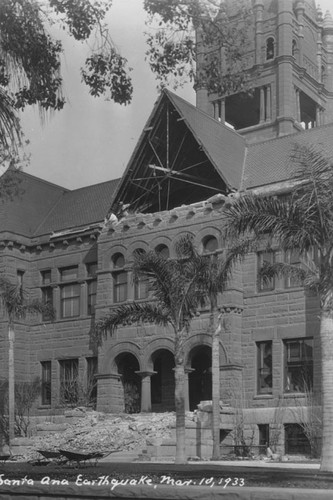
(270, 161)
(183, 156)
(223, 145)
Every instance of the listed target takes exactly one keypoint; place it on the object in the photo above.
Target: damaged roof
(183, 156)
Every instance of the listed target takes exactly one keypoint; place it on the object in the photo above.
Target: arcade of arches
(154, 389)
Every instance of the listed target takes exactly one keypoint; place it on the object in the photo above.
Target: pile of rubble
(90, 431)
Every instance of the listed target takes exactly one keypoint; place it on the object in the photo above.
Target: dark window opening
(298, 365)
(128, 366)
(46, 382)
(163, 251)
(308, 109)
(20, 275)
(323, 75)
(47, 294)
(265, 367)
(243, 110)
(210, 244)
(200, 379)
(296, 442)
(270, 48)
(92, 293)
(91, 269)
(263, 436)
(47, 300)
(163, 381)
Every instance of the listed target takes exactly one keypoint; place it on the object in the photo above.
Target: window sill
(44, 407)
(294, 395)
(263, 396)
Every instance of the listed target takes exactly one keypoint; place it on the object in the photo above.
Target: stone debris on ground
(88, 431)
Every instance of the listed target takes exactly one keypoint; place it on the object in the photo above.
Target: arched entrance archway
(127, 366)
(200, 377)
(163, 381)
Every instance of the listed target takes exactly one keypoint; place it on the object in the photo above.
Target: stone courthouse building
(65, 248)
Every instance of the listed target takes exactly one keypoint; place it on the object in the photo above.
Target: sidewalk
(121, 457)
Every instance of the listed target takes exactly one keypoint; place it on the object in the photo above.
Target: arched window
(163, 251)
(269, 48)
(294, 48)
(118, 260)
(210, 244)
(323, 74)
(119, 278)
(140, 283)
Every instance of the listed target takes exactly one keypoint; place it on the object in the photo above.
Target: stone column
(56, 301)
(83, 298)
(262, 104)
(222, 110)
(146, 389)
(318, 116)
(298, 106)
(268, 103)
(258, 9)
(110, 394)
(186, 388)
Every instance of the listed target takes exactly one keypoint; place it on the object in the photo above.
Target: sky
(91, 140)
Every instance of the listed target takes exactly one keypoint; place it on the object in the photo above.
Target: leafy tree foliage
(30, 60)
(214, 57)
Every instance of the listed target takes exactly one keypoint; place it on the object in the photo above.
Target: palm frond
(270, 217)
(149, 312)
(282, 269)
(313, 195)
(159, 272)
(237, 251)
(14, 301)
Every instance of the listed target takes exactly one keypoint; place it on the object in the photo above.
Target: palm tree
(213, 281)
(13, 301)
(173, 284)
(302, 221)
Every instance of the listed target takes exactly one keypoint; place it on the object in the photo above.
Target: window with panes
(69, 292)
(47, 292)
(265, 367)
(46, 382)
(91, 287)
(141, 282)
(119, 279)
(298, 355)
(293, 258)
